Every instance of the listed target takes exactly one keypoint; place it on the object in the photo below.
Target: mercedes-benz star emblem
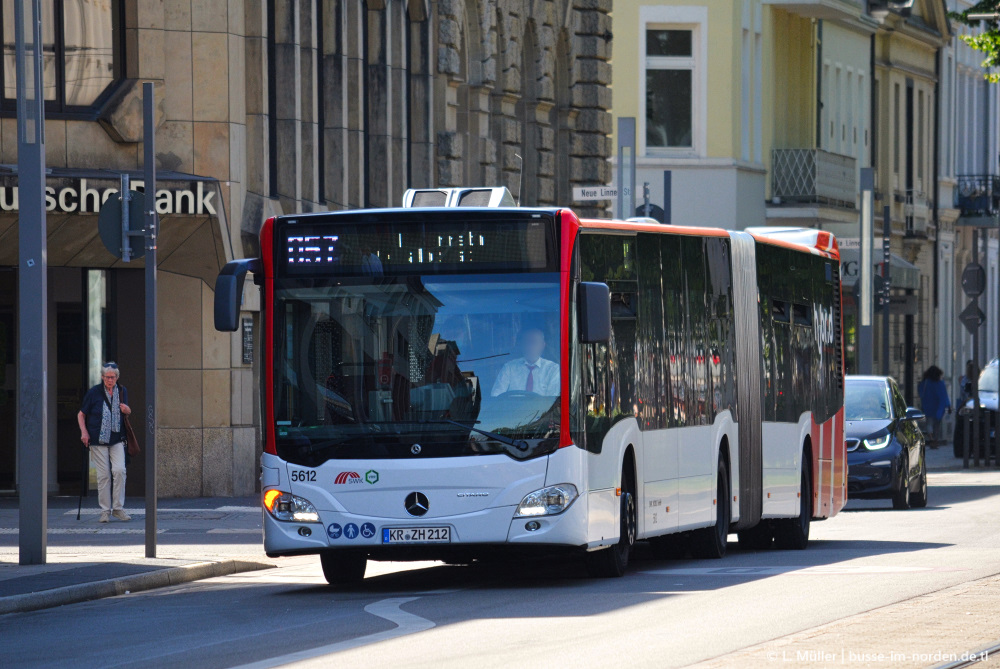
(416, 504)
(415, 449)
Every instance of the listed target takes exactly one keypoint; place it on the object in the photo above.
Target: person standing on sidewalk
(101, 431)
(935, 401)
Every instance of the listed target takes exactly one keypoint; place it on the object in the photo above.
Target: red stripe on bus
(569, 226)
(267, 259)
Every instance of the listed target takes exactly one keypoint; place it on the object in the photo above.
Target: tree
(987, 41)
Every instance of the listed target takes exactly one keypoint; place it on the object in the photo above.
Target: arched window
(83, 46)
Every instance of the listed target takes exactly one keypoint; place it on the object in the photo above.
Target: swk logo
(347, 478)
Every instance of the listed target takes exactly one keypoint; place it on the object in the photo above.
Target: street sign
(587, 193)
(972, 317)
(109, 224)
(974, 279)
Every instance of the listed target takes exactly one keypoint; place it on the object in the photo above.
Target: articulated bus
(462, 382)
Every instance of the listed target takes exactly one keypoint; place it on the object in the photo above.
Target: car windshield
(866, 400)
(425, 365)
(988, 379)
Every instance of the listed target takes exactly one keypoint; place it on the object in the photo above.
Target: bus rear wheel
(793, 533)
(757, 538)
(612, 561)
(710, 542)
(343, 568)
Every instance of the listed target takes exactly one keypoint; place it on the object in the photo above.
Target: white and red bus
(458, 382)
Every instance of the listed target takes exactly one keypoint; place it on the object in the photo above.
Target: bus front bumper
(485, 529)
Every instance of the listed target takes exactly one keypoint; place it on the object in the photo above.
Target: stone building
(267, 107)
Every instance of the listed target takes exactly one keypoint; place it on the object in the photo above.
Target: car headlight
(875, 443)
(547, 501)
(290, 508)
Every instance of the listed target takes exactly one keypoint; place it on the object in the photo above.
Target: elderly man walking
(102, 431)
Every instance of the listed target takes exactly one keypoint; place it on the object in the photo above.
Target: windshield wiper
(519, 444)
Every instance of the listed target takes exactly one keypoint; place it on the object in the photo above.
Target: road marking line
(808, 571)
(235, 530)
(407, 623)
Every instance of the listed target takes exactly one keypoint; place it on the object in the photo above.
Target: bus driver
(531, 372)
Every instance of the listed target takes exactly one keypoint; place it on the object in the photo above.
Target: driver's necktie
(529, 385)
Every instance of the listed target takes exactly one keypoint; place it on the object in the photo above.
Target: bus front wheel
(611, 562)
(343, 568)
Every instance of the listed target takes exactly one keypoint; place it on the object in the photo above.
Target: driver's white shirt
(514, 376)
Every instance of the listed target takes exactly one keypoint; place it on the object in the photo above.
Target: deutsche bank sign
(78, 197)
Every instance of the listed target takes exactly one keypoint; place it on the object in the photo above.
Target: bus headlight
(287, 507)
(547, 501)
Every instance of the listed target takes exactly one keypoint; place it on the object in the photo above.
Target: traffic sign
(109, 224)
(974, 279)
(972, 317)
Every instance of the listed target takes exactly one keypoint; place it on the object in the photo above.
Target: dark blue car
(885, 447)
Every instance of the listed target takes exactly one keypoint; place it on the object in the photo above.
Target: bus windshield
(423, 365)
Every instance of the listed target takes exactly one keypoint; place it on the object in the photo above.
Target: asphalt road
(663, 613)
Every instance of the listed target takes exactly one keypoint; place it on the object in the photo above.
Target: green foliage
(989, 40)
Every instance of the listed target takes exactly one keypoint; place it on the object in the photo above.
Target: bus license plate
(416, 535)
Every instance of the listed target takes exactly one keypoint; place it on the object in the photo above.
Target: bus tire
(709, 543)
(612, 561)
(342, 567)
(793, 533)
(757, 538)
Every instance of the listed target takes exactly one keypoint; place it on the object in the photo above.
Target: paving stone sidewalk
(196, 538)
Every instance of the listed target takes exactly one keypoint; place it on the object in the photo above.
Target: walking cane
(84, 480)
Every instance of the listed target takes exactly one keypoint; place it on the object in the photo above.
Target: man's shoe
(121, 515)
(105, 517)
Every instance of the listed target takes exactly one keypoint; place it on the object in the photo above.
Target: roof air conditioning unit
(497, 196)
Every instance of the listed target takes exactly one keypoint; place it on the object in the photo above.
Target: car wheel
(343, 568)
(611, 562)
(901, 496)
(710, 542)
(918, 500)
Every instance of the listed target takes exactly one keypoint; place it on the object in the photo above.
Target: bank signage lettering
(79, 197)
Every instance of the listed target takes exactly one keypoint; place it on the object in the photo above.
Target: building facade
(266, 107)
(969, 198)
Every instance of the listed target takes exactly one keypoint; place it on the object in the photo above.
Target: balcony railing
(813, 175)
(978, 194)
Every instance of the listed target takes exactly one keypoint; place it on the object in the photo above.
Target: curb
(112, 587)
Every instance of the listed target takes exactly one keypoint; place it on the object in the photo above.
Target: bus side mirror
(229, 292)
(593, 301)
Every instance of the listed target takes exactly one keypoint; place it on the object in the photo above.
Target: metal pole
(865, 273)
(626, 144)
(32, 294)
(667, 204)
(975, 358)
(152, 227)
(886, 276)
(126, 191)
